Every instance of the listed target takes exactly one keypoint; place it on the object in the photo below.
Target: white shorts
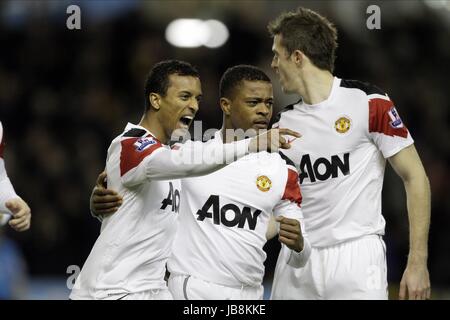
(351, 270)
(185, 287)
(155, 294)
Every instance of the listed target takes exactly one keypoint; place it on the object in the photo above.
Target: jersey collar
(301, 104)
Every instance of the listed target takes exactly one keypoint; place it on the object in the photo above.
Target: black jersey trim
(286, 158)
(135, 133)
(287, 108)
(363, 86)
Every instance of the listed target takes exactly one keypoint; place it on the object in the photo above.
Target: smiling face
(284, 65)
(180, 104)
(251, 105)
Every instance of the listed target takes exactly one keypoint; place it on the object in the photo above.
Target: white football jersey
(135, 242)
(224, 217)
(131, 251)
(6, 189)
(341, 159)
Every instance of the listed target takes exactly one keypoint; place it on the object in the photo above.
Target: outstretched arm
(415, 280)
(153, 162)
(157, 163)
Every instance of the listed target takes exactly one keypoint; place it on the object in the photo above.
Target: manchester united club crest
(342, 125)
(263, 183)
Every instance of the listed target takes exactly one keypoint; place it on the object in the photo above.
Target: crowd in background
(65, 94)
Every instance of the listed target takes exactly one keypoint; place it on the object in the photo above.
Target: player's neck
(315, 85)
(226, 125)
(228, 131)
(152, 124)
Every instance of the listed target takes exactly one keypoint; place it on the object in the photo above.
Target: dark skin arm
(103, 201)
(290, 233)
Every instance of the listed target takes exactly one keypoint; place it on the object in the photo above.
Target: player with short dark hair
(233, 77)
(128, 259)
(218, 253)
(349, 128)
(158, 80)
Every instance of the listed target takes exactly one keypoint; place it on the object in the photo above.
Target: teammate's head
(172, 94)
(301, 37)
(246, 98)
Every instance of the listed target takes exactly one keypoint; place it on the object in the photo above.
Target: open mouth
(186, 120)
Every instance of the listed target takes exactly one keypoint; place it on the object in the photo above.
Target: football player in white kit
(129, 257)
(218, 250)
(13, 209)
(349, 129)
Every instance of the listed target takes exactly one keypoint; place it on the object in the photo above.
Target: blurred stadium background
(64, 94)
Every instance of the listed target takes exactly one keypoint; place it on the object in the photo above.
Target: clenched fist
(21, 214)
(290, 233)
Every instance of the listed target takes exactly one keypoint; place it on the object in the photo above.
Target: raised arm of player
(169, 164)
(144, 158)
(415, 283)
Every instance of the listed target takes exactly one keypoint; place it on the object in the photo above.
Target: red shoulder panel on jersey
(292, 190)
(384, 118)
(134, 150)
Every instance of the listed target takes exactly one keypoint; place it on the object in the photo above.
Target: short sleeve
(386, 128)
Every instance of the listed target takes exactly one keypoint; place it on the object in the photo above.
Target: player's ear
(155, 100)
(225, 105)
(298, 57)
